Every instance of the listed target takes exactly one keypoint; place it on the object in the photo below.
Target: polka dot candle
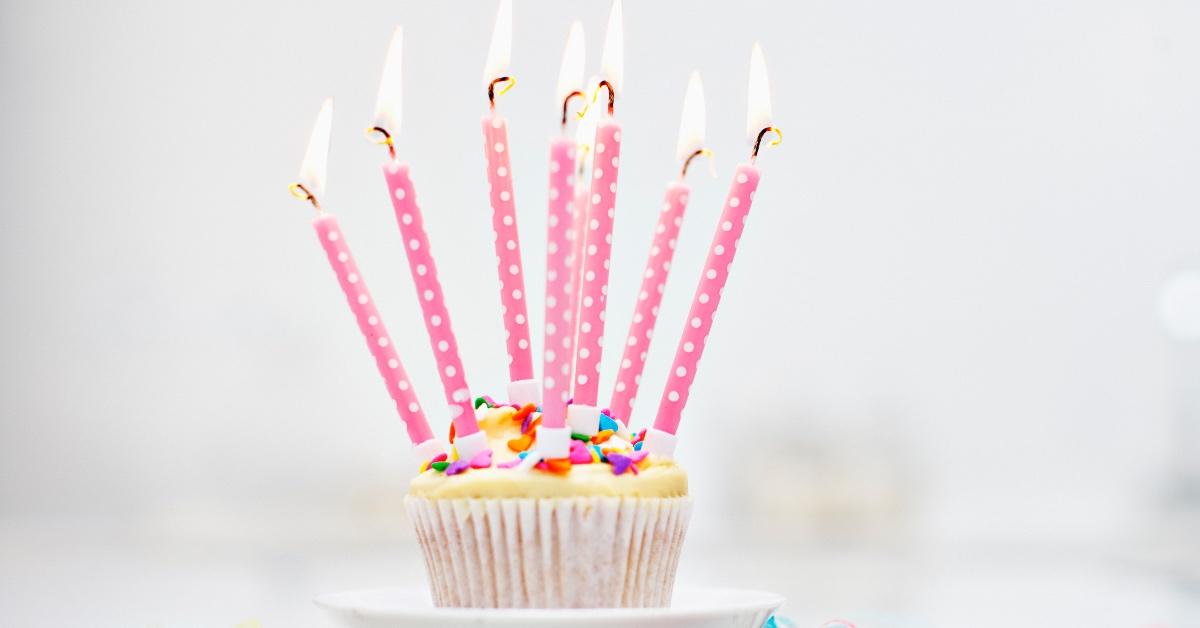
(371, 325)
(707, 297)
(645, 314)
(596, 260)
(429, 294)
(508, 250)
(557, 328)
(577, 236)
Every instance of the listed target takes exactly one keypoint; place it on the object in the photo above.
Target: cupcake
(601, 528)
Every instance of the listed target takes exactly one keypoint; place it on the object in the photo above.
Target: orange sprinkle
(525, 411)
(558, 465)
(521, 443)
(602, 436)
(451, 432)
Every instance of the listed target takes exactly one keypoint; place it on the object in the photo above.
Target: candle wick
(612, 94)
(688, 162)
(567, 102)
(758, 141)
(508, 81)
(301, 192)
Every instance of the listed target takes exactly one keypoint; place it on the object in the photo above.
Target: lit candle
(584, 414)
(661, 439)
(662, 250)
(311, 187)
(522, 387)
(469, 440)
(554, 439)
(585, 133)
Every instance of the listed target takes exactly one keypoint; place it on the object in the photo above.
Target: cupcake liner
(584, 552)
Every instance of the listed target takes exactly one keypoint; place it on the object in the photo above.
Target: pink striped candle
(508, 252)
(469, 439)
(371, 325)
(654, 279)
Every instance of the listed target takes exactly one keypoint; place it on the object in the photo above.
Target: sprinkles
(613, 444)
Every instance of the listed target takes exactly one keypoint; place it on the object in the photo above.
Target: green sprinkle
(440, 466)
(583, 437)
(482, 401)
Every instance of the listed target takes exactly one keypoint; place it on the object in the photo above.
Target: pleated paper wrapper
(585, 552)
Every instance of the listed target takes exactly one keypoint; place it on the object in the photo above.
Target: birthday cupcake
(505, 529)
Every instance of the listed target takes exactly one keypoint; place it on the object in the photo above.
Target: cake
(602, 528)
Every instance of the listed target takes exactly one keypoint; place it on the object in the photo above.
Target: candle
(661, 439)
(469, 440)
(585, 133)
(584, 415)
(662, 250)
(370, 323)
(522, 387)
(554, 439)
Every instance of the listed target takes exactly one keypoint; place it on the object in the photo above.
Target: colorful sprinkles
(612, 444)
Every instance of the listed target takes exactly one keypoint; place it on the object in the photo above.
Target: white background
(938, 391)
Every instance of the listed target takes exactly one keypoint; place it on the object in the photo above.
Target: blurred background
(955, 380)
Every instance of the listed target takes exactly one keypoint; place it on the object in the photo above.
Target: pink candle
(662, 250)
(661, 439)
(584, 413)
(371, 325)
(469, 440)
(433, 305)
(522, 388)
(558, 328)
(310, 186)
(583, 145)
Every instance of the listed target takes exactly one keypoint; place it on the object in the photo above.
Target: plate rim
(768, 599)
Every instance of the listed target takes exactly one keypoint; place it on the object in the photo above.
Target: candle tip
(310, 185)
(758, 111)
(692, 121)
(500, 50)
(612, 60)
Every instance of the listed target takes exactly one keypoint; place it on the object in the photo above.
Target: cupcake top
(609, 464)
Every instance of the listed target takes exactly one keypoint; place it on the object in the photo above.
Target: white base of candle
(660, 443)
(427, 450)
(525, 391)
(583, 419)
(554, 442)
(468, 446)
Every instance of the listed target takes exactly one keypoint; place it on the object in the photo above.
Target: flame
(500, 51)
(585, 128)
(612, 61)
(758, 113)
(691, 124)
(570, 73)
(387, 103)
(316, 157)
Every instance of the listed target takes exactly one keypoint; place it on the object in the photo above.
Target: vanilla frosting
(656, 476)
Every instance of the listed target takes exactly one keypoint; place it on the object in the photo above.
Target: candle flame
(570, 73)
(691, 124)
(758, 114)
(612, 61)
(387, 103)
(585, 129)
(316, 157)
(500, 51)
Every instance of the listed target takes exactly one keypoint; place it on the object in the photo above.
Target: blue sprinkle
(770, 623)
(607, 423)
(526, 453)
(638, 445)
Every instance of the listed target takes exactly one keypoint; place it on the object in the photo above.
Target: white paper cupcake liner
(584, 552)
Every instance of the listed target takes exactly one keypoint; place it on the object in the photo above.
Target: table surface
(70, 572)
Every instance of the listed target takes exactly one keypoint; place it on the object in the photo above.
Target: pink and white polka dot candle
(371, 325)
(469, 440)
(522, 388)
(661, 439)
(311, 185)
(433, 307)
(662, 250)
(553, 437)
(584, 414)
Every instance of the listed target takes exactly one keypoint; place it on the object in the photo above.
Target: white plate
(412, 608)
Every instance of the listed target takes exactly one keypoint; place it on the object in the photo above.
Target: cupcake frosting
(609, 467)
